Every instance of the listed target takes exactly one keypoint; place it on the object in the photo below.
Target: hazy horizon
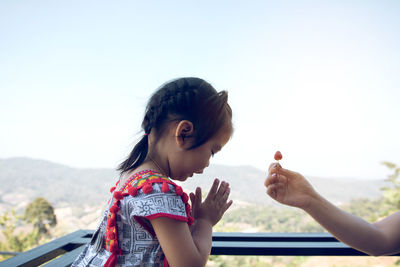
(196, 175)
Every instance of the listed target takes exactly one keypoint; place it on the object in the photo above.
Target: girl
(291, 188)
(148, 221)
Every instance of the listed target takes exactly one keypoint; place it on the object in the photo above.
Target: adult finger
(272, 191)
(274, 165)
(288, 173)
(272, 179)
(276, 191)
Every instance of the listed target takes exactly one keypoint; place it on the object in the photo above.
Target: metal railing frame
(64, 250)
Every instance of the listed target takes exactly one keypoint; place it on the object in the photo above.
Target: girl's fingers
(198, 193)
(197, 198)
(225, 196)
(221, 190)
(214, 187)
(193, 201)
(227, 191)
(227, 205)
(192, 198)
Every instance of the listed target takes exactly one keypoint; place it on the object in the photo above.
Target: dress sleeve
(158, 204)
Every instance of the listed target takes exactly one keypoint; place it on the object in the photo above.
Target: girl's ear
(183, 130)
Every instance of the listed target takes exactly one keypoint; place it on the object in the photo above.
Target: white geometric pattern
(139, 246)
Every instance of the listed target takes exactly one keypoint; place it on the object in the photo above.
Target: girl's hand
(288, 187)
(215, 204)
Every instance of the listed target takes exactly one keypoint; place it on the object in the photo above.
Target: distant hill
(247, 184)
(23, 179)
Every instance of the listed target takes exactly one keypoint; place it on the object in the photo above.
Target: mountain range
(23, 179)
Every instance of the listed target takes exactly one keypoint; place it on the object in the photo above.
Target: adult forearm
(346, 227)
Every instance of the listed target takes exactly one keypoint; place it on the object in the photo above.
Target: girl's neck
(156, 159)
(158, 167)
(148, 164)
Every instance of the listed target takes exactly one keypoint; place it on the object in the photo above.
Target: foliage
(40, 213)
(15, 242)
(256, 261)
(392, 193)
(267, 219)
(263, 219)
(368, 209)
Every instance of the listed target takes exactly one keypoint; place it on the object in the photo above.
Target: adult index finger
(273, 166)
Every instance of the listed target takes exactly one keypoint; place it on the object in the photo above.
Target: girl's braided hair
(191, 99)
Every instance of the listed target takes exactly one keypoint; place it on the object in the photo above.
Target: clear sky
(318, 80)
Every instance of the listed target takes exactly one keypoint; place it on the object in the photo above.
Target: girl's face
(184, 163)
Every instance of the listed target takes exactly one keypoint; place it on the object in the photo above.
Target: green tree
(392, 193)
(369, 209)
(15, 242)
(41, 214)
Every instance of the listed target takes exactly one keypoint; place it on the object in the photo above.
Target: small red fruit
(278, 155)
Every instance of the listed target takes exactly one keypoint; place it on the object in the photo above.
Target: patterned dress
(125, 236)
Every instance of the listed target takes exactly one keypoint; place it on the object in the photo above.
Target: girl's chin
(181, 178)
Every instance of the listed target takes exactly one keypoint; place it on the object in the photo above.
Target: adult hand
(288, 187)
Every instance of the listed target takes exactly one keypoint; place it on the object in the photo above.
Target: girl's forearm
(202, 237)
(346, 227)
